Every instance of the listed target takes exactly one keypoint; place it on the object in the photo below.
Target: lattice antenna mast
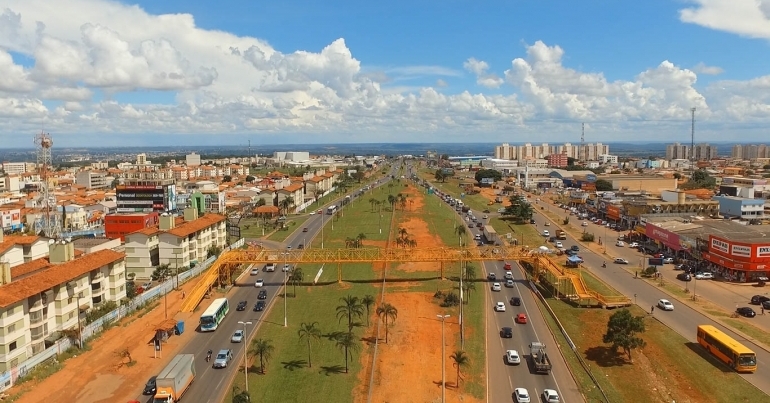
(582, 142)
(47, 200)
(692, 140)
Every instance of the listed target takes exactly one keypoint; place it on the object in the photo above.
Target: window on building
(11, 328)
(12, 346)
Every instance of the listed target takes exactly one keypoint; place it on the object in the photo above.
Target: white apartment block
(176, 241)
(750, 151)
(15, 167)
(92, 179)
(292, 156)
(588, 152)
(193, 159)
(45, 296)
(608, 159)
(705, 151)
(677, 151)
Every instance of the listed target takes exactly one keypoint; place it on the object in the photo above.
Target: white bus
(331, 209)
(214, 315)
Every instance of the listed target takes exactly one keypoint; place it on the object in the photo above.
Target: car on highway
(237, 337)
(241, 306)
(270, 267)
(484, 216)
(665, 304)
(223, 357)
(508, 275)
(515, 301)
(668, 260)
(512, 357)
(259, 283)
(286, 268)
(766, 305)
(546, 233)
(758, 299)
(574, 248)
(550, 396)
(259, 306)
(558, 245)
(491, 277)
(684, 277)
(496, 287)
(585, 223)
(521, 395)
(547, 224)
(704, 276)
(633, 245)
(620, 243)
(521, 318)
(746, 311)
(509, 283)
(254, 271)
(507, 266)
(150, 386)
(500, 307)
(262, 294)
(304, 229)
(620, 260)
(506, 332)
(312, 213)
(301, 246)
(532, 221)
(319, 212)
(486, 211)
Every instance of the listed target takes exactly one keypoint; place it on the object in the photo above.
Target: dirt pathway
(97, 376)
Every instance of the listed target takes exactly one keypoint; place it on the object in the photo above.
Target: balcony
(35, 317)
(37, 333)
(97, 278)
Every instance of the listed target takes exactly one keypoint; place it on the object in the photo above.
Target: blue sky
(337, 71)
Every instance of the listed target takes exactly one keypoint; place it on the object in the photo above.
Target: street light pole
(285, 291)
(245, 352)
(443, 357)
(462, 339)
(322, 229)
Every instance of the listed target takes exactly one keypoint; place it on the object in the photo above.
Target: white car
(620, 243)
(704, 276)
(620, 260)
(558, 245)
(665, 305)
(286, 267)
(546, 233)
(312, 213)
(254, 271)
(270, 267)
(550, 396)
(512, 357)
(668, 260)
(508, 275)
(509, 283)
(521, 395)
(633, 245)
(585, 223)
(500, 307)
(259, 283)
(237, 337)
(496, 287)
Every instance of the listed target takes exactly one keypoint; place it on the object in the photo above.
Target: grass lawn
(595, 284)
(288, 377)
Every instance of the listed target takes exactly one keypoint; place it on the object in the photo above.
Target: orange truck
(561, 235)
(175, 379)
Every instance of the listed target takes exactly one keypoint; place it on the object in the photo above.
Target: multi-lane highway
(683, 319)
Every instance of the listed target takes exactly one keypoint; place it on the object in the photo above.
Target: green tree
(700, 179)
(240, 396)
(603, 185)
(459, 360)
(351, 306)
(373, 202)
(250, 178)
(488, 173)
(460, 231)
(227, 178)
(392, 202)
(622, 330)
(130, 289)
(468, 287)
(286, 204)
(359, 239)
(308, 332)
(296, 278)
(264, 349)
(161, 272)
(349, 344)
(368, 300)
(520, 209)
(387, 312)
(440, 175)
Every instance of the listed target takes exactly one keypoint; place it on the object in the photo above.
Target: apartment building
(588, 152)
(505, 152)
(750, 151)
(558, 160)
(192, 159)
(92, 179)
(45, 296)
(176, 241)
(17, 168)
(677, 151)
(19, 249)
(704, 151)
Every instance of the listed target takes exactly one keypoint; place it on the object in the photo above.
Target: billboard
(613, 212)
(10, 219)
(145, 198)
(663, 236)
(739, 251)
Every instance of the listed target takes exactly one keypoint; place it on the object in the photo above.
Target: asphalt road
(211, 385)
(501, 377)
(683, 319)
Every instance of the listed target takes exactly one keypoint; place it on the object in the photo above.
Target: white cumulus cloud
(483, 78)
(702, 68)
(749, 18)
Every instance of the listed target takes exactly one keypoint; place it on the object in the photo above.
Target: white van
(546, 233)
(270, 267)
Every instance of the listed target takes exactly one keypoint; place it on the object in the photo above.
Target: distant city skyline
(141, 72)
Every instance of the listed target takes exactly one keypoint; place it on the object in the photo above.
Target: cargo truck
(175, 379)
(540, 360)
(490, 235)
(561, 235)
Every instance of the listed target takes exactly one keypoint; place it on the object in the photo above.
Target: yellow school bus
(727, 349)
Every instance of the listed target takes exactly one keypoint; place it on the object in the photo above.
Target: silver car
(237, 337)
(223, 357)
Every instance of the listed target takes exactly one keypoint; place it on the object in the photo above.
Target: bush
(649, 271)
(450, 300)
(97, 313)
(587, 237)
(565, 221)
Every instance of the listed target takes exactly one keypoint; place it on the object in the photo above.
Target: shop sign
(668, 238)
(741, 250)
(763, 251)
(720, 245)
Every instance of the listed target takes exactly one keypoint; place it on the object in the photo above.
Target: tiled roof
(5, 245)
(22, 239)
(189, 227)
(266, 209)
(55, 275)
(292, 188)
(29, 267)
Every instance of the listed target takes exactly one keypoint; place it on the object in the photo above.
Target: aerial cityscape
(401, 202)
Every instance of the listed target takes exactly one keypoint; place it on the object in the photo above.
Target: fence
(8, 378)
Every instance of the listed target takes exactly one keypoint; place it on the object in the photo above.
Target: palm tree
(390, 187)
(469, 286)
(296, 278)
(347, 342)
(461, 360)
(350, 307)
(387, 311)
(285, 204)
(373, 202)
(308, 332)
(392, 201)
(461, 231)
(368, 300)
(264, 349)
(470, 273)
(360, 238)
(403, 233)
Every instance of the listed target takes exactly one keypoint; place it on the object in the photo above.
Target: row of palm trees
(404, 240)
(355, 242)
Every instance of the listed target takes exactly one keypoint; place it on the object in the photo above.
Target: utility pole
(692, 141)
(582, 142)
(443, 357)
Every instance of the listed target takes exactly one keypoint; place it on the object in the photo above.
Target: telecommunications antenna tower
(49, 223)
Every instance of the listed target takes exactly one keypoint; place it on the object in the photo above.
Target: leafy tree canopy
(520, 209)
(622, 330)
(603, 185)
(488, 173)
(700, 179)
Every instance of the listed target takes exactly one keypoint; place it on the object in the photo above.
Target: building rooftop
(49, 275)
(721, 228)
(188, 227)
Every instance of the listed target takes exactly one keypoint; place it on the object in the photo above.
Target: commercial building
(41, 298)
(92, 179)
(741, 208)
(144, 196)
(749, 188)
(15, 167)
(558, 160)
(291, 156)
(116, 226)
(10, 219)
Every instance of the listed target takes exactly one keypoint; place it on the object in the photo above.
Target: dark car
(746, 311)
(574, 248)
(515, 301)
(758, 299)
(486, 211)
(506, 332)
(149, 387)
(766, 305)
(241, 306)
(684, 276)
(531, 221)
(259, 306)
(301, 246)
(262, 294)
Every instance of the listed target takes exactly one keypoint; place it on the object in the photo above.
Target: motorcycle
(208, 356)
(604, 264)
